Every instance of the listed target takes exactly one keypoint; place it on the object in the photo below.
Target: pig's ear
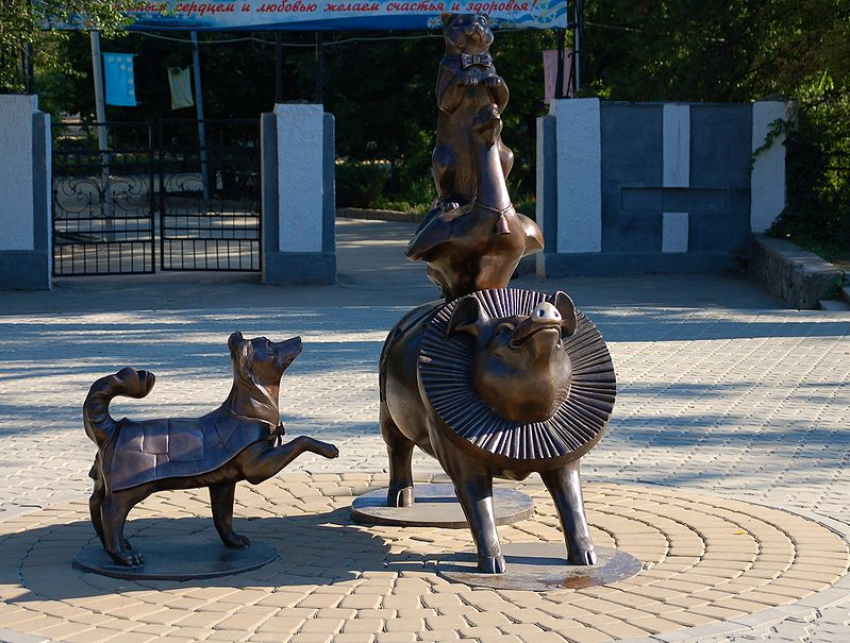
(565, 306)
(467, 317)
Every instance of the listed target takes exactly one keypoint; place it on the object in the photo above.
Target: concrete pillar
(569, 179)
(676, 161)
(767, 181)
(298, 195)
(25, 186)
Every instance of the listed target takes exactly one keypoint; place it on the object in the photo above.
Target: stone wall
(799, 277)
(655, 187)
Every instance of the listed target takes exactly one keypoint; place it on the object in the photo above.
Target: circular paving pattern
(436, 505)
(540, 567)
(705, 560)
(178, 557)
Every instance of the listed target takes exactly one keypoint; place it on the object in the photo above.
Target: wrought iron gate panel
(103, 200)
(209, 197)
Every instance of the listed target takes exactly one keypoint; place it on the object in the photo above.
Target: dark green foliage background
(382, 90)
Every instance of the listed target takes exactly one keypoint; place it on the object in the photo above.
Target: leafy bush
(817, 216)
(360, 185)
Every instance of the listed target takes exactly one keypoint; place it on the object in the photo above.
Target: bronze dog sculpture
(500, 383)
(466, 81)
(478, 245)
(233, 443)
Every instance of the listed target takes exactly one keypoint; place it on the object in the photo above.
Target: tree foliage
(38, 27)
(380, 86)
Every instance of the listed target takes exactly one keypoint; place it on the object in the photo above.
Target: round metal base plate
(178, 559)
(540, 567)
(436, 506)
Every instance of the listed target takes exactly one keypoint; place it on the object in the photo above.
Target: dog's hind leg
(221, 500)
(114, 512)
(96, 500)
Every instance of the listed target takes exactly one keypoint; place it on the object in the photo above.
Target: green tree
(690, 50)
(32, 28)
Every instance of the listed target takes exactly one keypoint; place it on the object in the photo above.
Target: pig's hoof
(400, 497)
(582, 556)
(492, 565)
(128, 558)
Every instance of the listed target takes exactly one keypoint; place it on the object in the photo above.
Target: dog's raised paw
(324, 449)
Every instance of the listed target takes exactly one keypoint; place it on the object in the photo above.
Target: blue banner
(340, 15)
(119, 80)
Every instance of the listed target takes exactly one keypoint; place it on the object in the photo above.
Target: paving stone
(715, 406)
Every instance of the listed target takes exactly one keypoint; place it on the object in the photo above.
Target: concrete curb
(372, 214)
(799, 277)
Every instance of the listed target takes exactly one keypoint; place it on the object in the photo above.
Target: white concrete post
(767, 182)
(578, 159)
(25, 184)
(298, 195)
(676, 163)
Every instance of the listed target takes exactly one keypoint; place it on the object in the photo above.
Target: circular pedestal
(437, 506)
(539, 567)
(177, 559)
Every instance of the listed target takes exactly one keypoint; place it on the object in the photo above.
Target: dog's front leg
(221, 500)
(261, 461)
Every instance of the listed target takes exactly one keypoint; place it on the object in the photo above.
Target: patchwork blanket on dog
(173, 448)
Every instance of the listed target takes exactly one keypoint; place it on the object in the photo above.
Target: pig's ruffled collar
(578, 424)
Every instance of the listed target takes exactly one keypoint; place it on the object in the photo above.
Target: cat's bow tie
(468, 60)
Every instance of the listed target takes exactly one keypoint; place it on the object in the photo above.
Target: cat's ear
(446, 18)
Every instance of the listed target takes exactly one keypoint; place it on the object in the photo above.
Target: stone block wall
(658, 187)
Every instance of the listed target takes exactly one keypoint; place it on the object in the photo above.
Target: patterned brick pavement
(715, 407)
(724, 470)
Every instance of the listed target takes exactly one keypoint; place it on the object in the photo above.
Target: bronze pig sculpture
(232, 443)
(499, 383)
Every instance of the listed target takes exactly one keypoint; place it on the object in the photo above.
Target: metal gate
(105, 201)
(209, 197)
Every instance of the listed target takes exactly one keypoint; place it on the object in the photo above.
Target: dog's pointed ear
(446, 18)
(234, 340)
(241, 352)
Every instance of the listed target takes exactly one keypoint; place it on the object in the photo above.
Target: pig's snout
(544, 317)
(545, 312)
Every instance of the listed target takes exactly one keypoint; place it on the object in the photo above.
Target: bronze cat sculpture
(466, 81)
(500, 383)
(232, 443)
(480, 244)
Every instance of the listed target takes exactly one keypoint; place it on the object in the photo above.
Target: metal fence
(106, 197)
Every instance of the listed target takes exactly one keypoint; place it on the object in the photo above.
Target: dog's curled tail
(128, 381)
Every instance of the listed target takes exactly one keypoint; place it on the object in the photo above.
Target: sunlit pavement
(724, 469)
